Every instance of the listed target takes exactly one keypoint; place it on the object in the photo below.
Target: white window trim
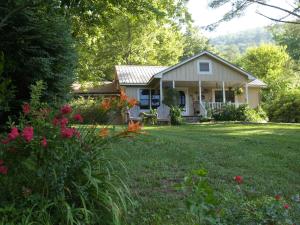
(204, 61)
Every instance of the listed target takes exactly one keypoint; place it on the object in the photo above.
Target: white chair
(163, 114)
(133, 114)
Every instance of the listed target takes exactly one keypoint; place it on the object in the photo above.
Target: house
(204, 81)
(103, 89)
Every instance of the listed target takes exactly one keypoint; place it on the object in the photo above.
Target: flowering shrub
(240, 206)
(53, 172)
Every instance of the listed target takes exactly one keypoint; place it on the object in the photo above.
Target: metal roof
(257, 83)
(137, 75)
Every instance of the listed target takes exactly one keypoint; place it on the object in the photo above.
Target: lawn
(266, 155)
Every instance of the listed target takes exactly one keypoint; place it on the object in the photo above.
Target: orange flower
(132, 102)
(103, 132)
(123, 96)
(105, 104)
(134, 127)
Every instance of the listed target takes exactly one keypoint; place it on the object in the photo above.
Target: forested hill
(244, 39)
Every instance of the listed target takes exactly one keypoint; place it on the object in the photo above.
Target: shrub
(90, 109)
(55, 173)
(175, 114)
(285, 108)
(239, 206)
(242, 113)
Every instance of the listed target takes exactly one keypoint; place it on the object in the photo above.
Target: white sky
(203, 15)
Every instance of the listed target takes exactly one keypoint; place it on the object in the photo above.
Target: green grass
(266, 155)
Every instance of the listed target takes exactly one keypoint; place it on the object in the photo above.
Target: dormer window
(204, 67)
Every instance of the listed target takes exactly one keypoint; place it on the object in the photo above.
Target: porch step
(191, 119)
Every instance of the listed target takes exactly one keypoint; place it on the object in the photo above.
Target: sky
(203, 15)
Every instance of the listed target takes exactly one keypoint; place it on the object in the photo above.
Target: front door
(183, 101)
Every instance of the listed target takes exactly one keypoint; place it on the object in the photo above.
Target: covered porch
(197, 97)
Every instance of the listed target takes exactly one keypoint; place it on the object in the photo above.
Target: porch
(197, 97)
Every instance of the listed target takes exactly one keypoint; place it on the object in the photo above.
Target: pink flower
(26, 108)
(27, 133)
(3, 170)
(14, 133)
(66, 109)
(64, 121)
(239, 179)
(286, 206)
(67, 132)
(44, 142)
(78, 117)
(55, 121)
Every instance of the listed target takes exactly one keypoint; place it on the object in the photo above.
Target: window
(149, 99)
(204, 67)
(144, 99)
(219, 96)
(155, 99)
(181, 99)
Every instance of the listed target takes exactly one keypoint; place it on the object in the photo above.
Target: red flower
(3, 170)
(277, 197)
(26, 108)
(14, 133)
(63, 122)
(55, 121)
(286, 206)
(238, 179)
(66, 109)
(67, 132)
(78, 117)
(27, 133)
(44, 142)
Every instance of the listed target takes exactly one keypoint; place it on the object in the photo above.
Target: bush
(240, 206)
(175, 114)
(285, 108)
(242, 113)
(55, 173)
(90, 109)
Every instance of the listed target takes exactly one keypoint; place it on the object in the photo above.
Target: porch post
(200, 92)
(247, 94)
(173, 83)
(224, 97)
(160, 91)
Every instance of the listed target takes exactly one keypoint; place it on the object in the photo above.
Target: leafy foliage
(242, 113)
(37, 45)
(56, 173)
(285, 107)
(240, 206)
(175, 114)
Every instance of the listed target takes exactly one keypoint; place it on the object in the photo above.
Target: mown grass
(266, 155)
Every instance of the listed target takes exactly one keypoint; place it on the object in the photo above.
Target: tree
(239, 6)
(37, 45)
(194, 43)
(288, 35)
(270, 63)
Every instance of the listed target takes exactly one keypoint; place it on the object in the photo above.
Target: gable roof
(249, 75)
(143, 75)
(137, 75)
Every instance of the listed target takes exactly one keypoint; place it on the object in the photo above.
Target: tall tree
(288, 35)
(194, 42)
(270, 63)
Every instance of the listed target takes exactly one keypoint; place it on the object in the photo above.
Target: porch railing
(219, 105)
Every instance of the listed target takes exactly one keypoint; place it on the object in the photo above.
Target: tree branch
(278, 20)
(275, 7)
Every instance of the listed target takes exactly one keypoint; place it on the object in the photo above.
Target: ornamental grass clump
(54, 171)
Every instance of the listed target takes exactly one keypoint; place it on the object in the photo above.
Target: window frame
(204, 61)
